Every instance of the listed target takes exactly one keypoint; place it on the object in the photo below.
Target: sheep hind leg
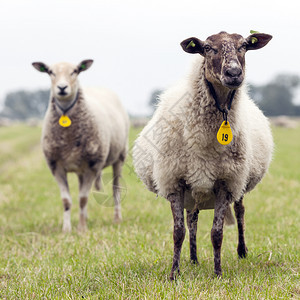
(179, 230)
(239, 210)
(117, 170)
(223, 199)
(192, 219)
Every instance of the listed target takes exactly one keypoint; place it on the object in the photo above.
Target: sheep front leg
(85, 184)
(61, 178)
(192, 219)
(223, 199)
(179, 230)
(239, 210)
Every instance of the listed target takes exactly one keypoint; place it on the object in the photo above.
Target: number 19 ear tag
(224, 135)
(64, 121)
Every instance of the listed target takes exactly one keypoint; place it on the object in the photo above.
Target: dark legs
(222, 204)
(179, 230)
(239, 210)
(223, 199)
(192, 219)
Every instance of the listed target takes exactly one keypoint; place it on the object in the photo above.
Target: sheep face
(64, 78)
(225, 55)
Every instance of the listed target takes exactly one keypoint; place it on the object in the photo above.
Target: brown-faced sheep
(178, 156)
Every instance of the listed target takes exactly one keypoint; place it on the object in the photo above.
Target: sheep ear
(257, 40)
(84, 65)
(193, 45)
(41, 67)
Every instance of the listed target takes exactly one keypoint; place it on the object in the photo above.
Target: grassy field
(133, 260)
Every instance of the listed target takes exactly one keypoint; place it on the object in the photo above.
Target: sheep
(178, 156)
(84, 131)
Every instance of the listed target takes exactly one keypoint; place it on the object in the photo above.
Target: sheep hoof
(194, 261)
(218, 273)
(66, 228)
(242, 251)
(174, 277)
(82, 229)
(174, 274)
(117, 219)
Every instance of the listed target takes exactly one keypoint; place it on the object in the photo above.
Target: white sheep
(177, 155)
(84, 131)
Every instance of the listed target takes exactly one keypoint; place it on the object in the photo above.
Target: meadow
(132, 260)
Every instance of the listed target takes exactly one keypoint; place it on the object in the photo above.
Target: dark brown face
(225, 59)
(225, 55)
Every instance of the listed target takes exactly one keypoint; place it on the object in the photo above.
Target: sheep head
(225, 55)
(64, 78)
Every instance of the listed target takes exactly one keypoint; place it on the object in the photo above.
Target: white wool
(179, 143)
(105, 115)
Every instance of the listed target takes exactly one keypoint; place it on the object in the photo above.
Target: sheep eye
(51, 73)
(243, 47)
(207, 48)
(74, 72)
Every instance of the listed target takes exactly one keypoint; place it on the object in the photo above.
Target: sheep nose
(62, 88)
(233, 72)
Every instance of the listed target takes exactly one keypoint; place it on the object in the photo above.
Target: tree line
(23, 105)
(274, 98)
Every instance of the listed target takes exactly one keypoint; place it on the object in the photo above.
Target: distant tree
(22, 105)
(289, 80)
(276, 97)
(255, 92)
(154, 98)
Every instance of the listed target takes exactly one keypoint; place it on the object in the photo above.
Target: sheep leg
(179, 230)
(192, 219)
(85, 184)
(98, 181)
(117, 169)
(239, 210)
(223, 199)
(62, 181)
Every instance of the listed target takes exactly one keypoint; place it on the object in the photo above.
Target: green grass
(133, 260)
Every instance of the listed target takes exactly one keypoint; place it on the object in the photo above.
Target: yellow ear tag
(64, 121)
(224, 135)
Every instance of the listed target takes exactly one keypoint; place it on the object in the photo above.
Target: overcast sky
(135, 44)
